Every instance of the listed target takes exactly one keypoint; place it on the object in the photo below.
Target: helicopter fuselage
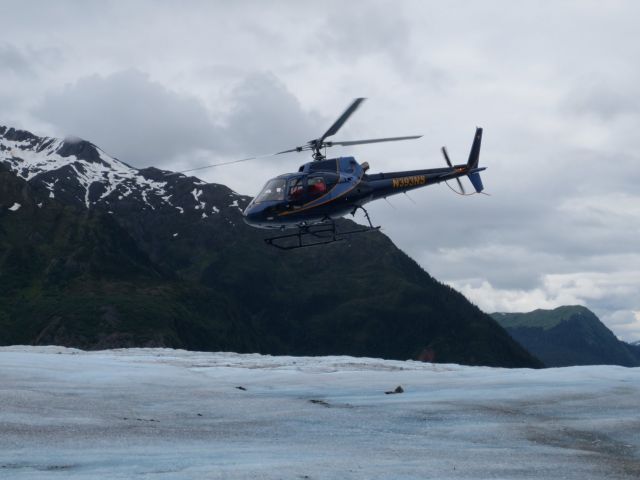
(324, 190)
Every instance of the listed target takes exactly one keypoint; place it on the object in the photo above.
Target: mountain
(97, 254)
(635, 349)
(566, 336)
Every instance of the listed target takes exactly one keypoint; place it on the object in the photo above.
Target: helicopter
(309, 201)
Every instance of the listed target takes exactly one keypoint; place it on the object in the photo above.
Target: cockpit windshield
(273, 190)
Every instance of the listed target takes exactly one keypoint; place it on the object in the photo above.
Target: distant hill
(635, 348)
(568, 335)
(96, 254)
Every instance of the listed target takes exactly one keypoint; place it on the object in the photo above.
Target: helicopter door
(316, 187)
(296, 191)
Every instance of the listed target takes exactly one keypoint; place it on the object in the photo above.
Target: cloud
(144, 123)
(607, 99)
(27, 63)
(611, 295)
(370, 28)
(626, 323)
(266, 117)
(130, 116)
(14, 61)
(263, 117)
(491, 299)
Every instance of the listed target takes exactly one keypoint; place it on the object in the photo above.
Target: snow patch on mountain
(196, 195)
(77, 172)
(30, 156)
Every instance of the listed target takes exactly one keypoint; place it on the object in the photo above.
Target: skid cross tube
(325, 232)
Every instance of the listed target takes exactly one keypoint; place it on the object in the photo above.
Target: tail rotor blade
(446, 156)
(448, 160)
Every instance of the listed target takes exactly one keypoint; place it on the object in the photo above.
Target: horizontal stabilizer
(476, 181)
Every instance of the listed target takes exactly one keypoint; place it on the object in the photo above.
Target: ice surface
(170, 414)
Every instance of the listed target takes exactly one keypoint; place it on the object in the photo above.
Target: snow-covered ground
(167, 414)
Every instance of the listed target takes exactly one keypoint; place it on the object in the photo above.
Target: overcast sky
(556, 86)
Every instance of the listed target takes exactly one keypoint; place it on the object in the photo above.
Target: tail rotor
(448, 160)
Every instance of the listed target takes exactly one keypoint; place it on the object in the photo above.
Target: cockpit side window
(296, 188)
(316, 186)
(273, 190)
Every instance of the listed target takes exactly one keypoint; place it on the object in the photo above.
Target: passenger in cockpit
(317, 186)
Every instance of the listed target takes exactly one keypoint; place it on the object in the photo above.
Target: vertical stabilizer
(474, 158)
(474, 155)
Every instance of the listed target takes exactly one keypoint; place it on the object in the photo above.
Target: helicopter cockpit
(297, 188)
(274, 190)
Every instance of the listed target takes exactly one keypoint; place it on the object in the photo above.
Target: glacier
(171, 414)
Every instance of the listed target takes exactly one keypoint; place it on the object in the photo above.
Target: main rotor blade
(297, 149)
(333, 129)
(373, 140)
(230, 162)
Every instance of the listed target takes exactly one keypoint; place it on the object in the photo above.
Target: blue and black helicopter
(310, 200)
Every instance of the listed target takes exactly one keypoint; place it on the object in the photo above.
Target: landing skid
(314, 235)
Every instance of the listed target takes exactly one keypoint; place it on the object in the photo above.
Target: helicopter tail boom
(385, 184)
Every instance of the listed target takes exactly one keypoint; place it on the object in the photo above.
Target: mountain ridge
(568, 335)
(101, 257)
